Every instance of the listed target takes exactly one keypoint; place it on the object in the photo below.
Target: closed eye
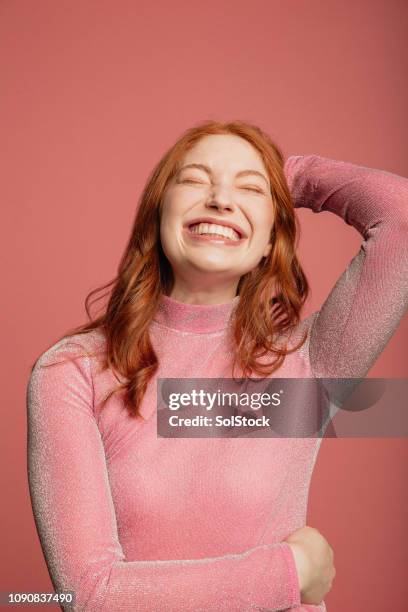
(253, 189)
(191, 181)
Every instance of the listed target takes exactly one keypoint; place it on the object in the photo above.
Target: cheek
(173, 210)
(170, 228)
(263, 223)
(167, 223)
(268, 214)
(261, 215)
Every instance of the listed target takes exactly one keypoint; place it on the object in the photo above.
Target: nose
(220, 199)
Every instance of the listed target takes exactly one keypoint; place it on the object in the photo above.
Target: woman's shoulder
(63, 376)
(85, 345)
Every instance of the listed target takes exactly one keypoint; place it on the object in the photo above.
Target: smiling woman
(129, 520)
(213, 186)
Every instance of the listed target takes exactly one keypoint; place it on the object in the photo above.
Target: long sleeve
(75, 517)
(370, 298)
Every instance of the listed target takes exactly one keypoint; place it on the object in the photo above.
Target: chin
(210, 266)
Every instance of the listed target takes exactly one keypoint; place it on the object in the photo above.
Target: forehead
(226, 151)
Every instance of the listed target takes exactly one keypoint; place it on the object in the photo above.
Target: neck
(194, 316)
(203, 292)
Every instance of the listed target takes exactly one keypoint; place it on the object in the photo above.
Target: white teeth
(213, 229)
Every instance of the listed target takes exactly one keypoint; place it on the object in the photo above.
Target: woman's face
(229, 186)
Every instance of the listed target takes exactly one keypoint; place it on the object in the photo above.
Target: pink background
(93, 93)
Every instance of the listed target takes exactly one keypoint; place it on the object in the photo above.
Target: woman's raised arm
(75, 517)
(370, 298)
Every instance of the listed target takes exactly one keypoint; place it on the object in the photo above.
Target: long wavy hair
(271, 295)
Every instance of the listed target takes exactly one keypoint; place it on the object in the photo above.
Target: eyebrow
(207, 169)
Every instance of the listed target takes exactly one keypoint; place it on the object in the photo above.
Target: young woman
(131, 521)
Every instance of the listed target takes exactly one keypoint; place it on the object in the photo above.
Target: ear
(267, 250)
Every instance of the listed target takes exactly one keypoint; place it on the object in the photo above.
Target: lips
(210, 238)
(234, 226)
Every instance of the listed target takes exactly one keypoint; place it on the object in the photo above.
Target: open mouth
(213, 231)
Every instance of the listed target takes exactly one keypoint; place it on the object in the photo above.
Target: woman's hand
(314, 563)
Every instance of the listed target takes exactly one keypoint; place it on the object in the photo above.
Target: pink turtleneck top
(130, 521)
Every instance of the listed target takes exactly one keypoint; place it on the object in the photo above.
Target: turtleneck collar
(199, 318)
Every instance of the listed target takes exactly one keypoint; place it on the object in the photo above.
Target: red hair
(271, 295)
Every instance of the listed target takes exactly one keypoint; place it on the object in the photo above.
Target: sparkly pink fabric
(130, 521)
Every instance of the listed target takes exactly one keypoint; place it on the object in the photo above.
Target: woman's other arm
(75, 517)
(370, 298)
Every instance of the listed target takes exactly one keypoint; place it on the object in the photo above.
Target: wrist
(301, 565)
